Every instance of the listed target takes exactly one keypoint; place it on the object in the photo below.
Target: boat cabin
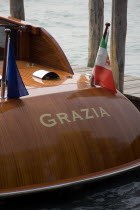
(33, 46)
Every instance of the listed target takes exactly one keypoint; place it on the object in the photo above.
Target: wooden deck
(131, 83)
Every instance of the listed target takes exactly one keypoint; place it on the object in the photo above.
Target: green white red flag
(103, 75)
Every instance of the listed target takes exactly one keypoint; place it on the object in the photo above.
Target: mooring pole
(118, 38)
(3, 80)
(96, 18)
(17, 9)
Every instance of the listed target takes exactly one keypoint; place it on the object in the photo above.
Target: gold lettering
(103, 112)
(52, 122)
(87, 114)
(75, 116)
(47, 121)
(63, 116)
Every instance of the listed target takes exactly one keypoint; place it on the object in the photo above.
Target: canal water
(67, 21)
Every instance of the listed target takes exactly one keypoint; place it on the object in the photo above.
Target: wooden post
(96, 18)
(118, 38)
(17, 9)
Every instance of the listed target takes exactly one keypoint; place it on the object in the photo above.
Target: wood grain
(64, 131)
(38, 46)
(96, 19)
(45, 50)
(118, 38)
(33, 155)
(17, 9)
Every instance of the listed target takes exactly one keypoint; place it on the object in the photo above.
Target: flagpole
(3, 80)
(104, 36)
(105, 32)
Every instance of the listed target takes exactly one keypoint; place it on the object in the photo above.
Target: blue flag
(16, 87)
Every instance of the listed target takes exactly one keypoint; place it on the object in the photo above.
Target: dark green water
(117, 193)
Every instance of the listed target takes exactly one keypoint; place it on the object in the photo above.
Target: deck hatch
(46, 75)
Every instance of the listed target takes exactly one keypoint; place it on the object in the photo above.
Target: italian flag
(103, 75)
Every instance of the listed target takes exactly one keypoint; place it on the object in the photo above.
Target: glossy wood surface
(38, 46)
(45, 50)
(33, 154)
(64, 132)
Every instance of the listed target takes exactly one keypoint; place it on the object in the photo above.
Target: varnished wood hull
(37, 154)
(64, 133)
(69, 183)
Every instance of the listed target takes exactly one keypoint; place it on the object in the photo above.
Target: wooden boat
(65, 132)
